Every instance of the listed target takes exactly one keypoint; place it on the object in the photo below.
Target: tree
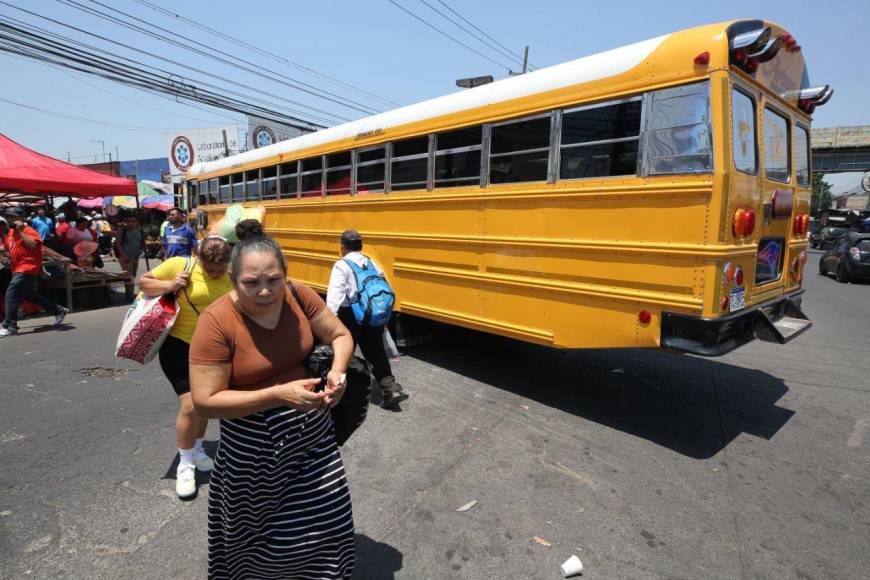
(821, 199)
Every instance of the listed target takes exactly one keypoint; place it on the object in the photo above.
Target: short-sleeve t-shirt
(179, 242)
(202, 290)
(259, 357)
(24, 260)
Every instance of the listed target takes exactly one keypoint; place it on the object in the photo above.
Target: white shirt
(342, 282)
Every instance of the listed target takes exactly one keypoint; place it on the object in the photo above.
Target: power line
(257, 70)
(161, 130)
(75, 76)
(30, 44)
(467, 21)
(266, 53)
(472, 34)
(439, 31)
(177, 86)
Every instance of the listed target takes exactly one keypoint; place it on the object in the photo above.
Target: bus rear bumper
(778, 320)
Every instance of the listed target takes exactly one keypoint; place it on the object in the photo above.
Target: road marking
(856, 438)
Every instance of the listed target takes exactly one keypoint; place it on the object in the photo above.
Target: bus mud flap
(781, 323)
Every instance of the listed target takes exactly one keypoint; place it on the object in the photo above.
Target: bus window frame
(357, 164)
(258, 194)
(489, 154)
(435, 153)
(326, 170)
(788, 127)
(427, 182)
(638, 138)
(302, 174)
(295, 176)
(806, 129)
(754, 98)
(644, 151)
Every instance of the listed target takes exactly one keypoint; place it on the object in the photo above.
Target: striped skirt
(278, 503)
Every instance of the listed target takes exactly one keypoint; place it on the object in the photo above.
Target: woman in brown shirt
(278, 503)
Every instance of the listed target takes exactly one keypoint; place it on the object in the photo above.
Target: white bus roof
(581, 70)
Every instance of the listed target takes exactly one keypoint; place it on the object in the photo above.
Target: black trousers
(371, 342)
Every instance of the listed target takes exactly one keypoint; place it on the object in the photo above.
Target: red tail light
(751, 65)
(738, 276)
(644, 317)
(744, 223)
(703, 58)
(806, 223)
(799, 225)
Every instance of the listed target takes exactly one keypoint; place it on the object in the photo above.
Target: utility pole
(526, 60)
(103, 144)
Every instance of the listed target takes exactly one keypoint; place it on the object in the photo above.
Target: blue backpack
(374, 304)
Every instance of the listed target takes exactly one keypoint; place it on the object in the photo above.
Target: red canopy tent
(23, 171)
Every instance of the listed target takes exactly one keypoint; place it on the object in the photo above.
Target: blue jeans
(23, 287)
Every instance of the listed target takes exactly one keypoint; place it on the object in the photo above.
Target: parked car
(825, 237)
(848, 258)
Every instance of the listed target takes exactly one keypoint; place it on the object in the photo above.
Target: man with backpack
(361, 297)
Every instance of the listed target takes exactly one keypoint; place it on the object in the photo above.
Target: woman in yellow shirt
(198, 282)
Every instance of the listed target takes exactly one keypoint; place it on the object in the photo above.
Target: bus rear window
(776, 146)
(802, 156)
(743, 132)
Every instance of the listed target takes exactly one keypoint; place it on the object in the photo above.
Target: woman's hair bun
(249, 229)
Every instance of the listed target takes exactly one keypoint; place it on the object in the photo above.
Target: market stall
(27, 176)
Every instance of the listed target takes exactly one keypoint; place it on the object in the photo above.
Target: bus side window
(519, 150)
(457, 157)
(270, 183)
(777, 157)
(743, 139)
(802, 155)
(252, 185)
(600, 140)
(213, 190)
(312, 177)
(370, 170)
(677, 132)
(289, 179)
(338, 173)
(225, 189)
(238, 180)
(409, 165)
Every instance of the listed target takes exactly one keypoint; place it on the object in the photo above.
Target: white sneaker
(62, 311)
(8, 331)
(185, 481)
(202, 460)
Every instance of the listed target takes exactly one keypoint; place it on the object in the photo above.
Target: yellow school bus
(655, 195)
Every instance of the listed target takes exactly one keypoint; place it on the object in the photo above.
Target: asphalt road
(642, 463)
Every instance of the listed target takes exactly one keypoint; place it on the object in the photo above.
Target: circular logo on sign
(182, 152)
(263, 136)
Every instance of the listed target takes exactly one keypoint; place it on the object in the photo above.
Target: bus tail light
(744, 223)
(728, 272)
(806, 224)
(738, 276)
(751, 65)
(644, 317)
(750, 43)
(703, 58)
(799, 225)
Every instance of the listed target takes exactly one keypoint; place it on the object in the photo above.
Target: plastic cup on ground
(571, 567)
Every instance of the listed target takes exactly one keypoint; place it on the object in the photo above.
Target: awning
(23, 171)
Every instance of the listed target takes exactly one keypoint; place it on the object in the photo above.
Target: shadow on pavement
(375, 560)
(690, 405)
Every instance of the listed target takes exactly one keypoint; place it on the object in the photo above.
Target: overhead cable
(439, 31)
(472, 34)
(263, 52)
(206, 51)
(467, 21)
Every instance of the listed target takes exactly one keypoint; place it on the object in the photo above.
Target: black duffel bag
(351, 410)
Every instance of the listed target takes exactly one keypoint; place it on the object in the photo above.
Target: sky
(377, 47)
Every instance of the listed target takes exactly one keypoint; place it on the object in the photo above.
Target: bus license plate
(736, 300)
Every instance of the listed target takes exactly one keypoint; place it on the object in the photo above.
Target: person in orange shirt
(24, 246)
